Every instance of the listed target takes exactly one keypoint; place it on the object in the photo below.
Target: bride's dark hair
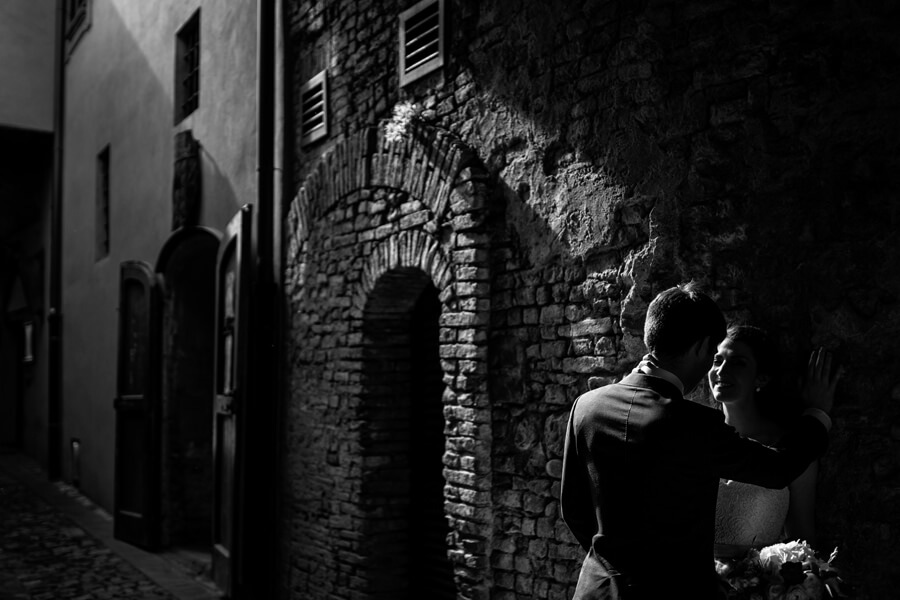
(776, 399)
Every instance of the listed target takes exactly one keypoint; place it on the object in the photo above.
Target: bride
(747, 516)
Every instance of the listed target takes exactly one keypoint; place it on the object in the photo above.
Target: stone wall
(619, 147)
(372, 222)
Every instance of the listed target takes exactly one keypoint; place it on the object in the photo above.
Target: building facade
(112, 339)
(360, 390)
(501, 190)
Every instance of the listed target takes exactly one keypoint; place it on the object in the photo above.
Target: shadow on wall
(220, 200)
(751, 146)
(755, 148)
(137, 121)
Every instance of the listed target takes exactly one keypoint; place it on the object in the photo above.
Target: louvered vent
(421, 40)
(314, 109)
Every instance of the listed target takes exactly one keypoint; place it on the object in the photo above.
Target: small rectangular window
(314, 108)
(187, 68)
(421, 40)
(102, 206)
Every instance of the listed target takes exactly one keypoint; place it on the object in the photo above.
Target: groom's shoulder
(610, 389)
(619, 390)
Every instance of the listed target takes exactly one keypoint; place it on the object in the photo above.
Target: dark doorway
(403, 442)
(187, 270)
(430, 570)
(136, 511)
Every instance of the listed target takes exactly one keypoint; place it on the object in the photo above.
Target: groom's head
(684, 326)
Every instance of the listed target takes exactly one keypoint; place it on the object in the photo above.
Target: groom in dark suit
(642, 464)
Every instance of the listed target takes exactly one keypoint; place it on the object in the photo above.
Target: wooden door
(136, 514)
(233, 284)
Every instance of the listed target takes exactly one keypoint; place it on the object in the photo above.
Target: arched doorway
(187, 270)
(404, 527)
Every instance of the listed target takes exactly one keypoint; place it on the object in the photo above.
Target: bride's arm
(800, 522)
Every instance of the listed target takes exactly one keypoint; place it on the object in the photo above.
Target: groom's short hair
(679, 317)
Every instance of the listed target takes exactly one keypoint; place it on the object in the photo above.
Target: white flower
(723, 568)
(772, 557)
(405, 114)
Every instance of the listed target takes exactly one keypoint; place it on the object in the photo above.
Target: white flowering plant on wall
(406, 115)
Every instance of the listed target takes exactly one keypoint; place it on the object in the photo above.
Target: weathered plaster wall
(27, 55)
(119, 91)
(630, 146)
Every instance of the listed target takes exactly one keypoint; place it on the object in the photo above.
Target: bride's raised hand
(821, 381)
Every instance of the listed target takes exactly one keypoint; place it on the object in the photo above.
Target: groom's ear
(703, 348)
(703, 352)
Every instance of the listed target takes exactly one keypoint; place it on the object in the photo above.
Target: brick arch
(415, 249)
(372, 216)
(429, 165)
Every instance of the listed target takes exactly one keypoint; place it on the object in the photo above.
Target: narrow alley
(56, 544)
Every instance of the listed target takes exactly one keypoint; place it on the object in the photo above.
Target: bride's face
(733, 375)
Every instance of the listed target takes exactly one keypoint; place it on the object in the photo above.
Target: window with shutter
(421, 40)
(314, 109)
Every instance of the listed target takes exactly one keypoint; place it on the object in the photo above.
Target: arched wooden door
(186, 274)
(234, 272)
(136, 515)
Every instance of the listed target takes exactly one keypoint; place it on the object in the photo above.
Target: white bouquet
(788, 571)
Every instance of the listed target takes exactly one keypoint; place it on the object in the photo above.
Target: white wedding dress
(748, 516)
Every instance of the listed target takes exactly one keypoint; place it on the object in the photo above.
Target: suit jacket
(639, 484)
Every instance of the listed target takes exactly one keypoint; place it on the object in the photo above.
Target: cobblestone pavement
(45, 556)
(56, 544)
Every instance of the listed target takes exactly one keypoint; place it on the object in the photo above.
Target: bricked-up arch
(402, 443)
(407, 249)
(374, 226)
(429, 166)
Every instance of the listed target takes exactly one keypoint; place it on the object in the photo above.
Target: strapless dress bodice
(748, 516)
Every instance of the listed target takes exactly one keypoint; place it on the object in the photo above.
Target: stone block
(582, 347)
(525, 296)
(469, 239)
(503, 561)
(466, 289)
(589, 365)
(522, 565)
(552, 315)
(555, 394)
(467, 222)
(586, 327)
(524, 584)
(504, 580)
(510, 499)
(415, 219)
(529, 526)
(472, 336)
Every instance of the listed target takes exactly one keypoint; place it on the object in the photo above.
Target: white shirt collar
(648, 366)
